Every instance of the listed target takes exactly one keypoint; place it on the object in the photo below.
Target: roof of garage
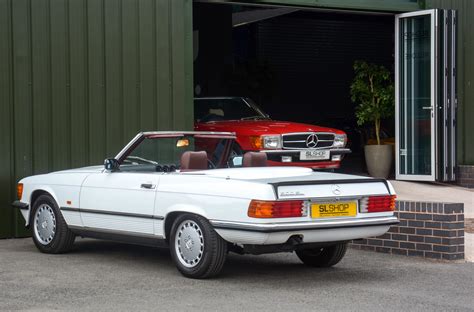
(363, 5)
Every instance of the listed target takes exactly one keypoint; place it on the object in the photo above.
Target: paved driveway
(100, 275)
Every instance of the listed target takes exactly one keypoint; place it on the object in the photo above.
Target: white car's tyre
(197, 250)
(50, 231)
(323, 257)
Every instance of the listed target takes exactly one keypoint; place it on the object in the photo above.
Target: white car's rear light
(277, 209)
(377, 203)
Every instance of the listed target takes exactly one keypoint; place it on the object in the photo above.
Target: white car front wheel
(50, 231)
(44, 224)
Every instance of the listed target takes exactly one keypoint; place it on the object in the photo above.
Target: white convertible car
(187, 191)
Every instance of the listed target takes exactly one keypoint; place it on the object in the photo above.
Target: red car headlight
(266, 142)
(340, 140)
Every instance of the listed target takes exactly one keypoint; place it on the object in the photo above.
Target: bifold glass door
(419, 76)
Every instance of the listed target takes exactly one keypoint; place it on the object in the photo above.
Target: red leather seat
(194, 161)
(254, 159)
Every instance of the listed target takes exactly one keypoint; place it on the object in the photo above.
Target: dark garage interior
(295, 63)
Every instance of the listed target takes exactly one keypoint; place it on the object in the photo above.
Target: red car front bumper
(313, 165)
(275, 159)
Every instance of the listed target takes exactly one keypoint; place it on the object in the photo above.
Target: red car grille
(307, 140)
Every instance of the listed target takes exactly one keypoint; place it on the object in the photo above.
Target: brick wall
(431, 230)
(466, 176)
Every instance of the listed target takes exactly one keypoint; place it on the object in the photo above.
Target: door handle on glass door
(428, 107)
(147, 186)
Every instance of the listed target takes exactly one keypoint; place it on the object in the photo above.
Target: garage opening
(296, 64)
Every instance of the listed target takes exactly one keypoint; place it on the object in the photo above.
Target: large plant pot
(379, 160)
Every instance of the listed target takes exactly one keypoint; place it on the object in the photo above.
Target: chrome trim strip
(129, 145)
(306, 134)
(297, 151)
(288, 141)
(306, 225)
(112, 213)
(301, 148)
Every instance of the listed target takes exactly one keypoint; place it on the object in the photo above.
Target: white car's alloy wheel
(44, 224)
(50, 231)
(189, 243)
(196, 248)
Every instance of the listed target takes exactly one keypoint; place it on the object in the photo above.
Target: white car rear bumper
(311, 232)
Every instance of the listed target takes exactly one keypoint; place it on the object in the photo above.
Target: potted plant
(373, 91)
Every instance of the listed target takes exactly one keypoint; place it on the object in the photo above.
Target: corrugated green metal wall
(79, 78)
(465, 68)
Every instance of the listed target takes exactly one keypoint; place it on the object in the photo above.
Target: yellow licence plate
(334, 209)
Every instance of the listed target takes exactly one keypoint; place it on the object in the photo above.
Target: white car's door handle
(147, 186)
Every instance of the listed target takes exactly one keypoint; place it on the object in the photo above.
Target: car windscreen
(163, 154)
(216, 109)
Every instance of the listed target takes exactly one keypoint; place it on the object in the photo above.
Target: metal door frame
(434, 24)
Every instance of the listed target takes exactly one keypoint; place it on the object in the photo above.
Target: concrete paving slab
(431, 192)
(469, 246)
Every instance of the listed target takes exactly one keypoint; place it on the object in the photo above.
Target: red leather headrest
(194, 161)
(254, 159)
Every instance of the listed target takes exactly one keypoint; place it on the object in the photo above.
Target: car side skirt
(120, 236)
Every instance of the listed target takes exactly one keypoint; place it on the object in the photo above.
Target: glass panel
(156, 153)
(415, 95)
(153, 153)
(218, 109)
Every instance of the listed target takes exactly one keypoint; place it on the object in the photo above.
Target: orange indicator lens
(276, 209)
(19, 190)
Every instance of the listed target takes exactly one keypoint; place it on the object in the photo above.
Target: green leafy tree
(373, 91)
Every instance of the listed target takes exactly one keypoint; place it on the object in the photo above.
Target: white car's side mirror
(111, 164)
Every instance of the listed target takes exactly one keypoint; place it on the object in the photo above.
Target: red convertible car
(285, 143)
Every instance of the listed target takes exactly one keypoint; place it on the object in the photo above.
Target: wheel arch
(35, 194)
(172, 214)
